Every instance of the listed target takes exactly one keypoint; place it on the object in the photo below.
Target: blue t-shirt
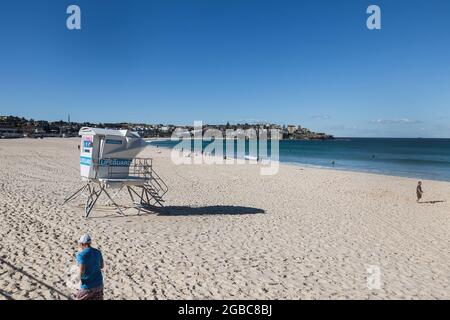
(92, 260)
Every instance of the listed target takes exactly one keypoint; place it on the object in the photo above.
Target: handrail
(136, 167)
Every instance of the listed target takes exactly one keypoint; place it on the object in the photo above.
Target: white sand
(320, 231)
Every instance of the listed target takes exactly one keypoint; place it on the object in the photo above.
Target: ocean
(415, 158)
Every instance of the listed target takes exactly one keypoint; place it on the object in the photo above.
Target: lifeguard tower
(108, 160)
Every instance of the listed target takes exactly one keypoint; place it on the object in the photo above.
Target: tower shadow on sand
(183, 211)
(207, 210)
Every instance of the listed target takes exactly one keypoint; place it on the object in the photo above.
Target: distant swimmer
(333, 163)
(419, 191)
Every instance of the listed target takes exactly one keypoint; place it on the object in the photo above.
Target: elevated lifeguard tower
(108, 159)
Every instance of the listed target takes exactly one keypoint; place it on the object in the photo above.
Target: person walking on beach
(419, 191)
(90, 262)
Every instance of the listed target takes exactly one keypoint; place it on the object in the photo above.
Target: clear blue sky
(312, 63)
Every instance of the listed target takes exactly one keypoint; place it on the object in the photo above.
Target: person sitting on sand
(419, 191)
(90, 261)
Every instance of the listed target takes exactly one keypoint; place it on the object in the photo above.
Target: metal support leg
(144, 189)
(142, 202)
(115, 195)
(131, 195)
(75, 194)
(141, 197)
(112, 201)
(92, 200)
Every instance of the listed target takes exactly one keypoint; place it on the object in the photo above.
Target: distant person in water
(419, 191)
(90, 262)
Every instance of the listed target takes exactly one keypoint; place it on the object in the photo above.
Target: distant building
(9, 133)
(7, 130)
(292, 128)
(11, 125)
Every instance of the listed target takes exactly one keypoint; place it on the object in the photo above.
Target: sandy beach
(226, 232)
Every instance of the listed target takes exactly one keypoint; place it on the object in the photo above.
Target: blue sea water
(417, 158)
